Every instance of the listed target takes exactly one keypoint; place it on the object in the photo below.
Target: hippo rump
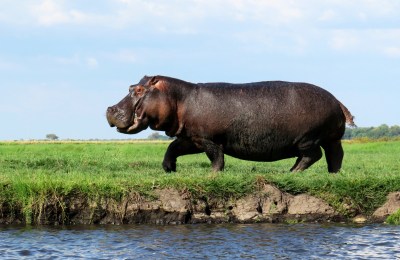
(262, 121)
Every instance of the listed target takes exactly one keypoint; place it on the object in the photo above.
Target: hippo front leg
(179, 147)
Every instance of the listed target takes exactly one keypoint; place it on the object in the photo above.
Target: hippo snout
(119, 117)
(110, 115)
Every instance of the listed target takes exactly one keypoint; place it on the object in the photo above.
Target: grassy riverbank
(34, 172)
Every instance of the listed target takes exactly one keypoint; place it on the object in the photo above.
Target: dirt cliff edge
(171, 206)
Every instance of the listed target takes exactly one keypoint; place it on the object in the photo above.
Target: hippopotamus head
(145, 105)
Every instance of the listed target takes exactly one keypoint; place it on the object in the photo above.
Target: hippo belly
(263, 145)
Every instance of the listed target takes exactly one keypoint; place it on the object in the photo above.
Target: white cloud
(194, 16)
(393, 52)
(176, 16)
(51, 13)
(48, 13)
(351, 11)
(327, 15)
(127, 56)
(271, 12)
(192, 13)
(74, 60)
(7, 65)
(282, 25)
(92, 62)
(68, 60)
(388, 42)
(378, 41)
(344, 40)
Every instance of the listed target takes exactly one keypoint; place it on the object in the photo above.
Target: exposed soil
(179, 207)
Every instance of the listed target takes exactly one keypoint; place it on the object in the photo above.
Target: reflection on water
(261, 241)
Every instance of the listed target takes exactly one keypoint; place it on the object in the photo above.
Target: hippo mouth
(116, 118)
(130, 128)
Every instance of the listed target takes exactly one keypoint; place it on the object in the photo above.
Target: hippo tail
(349, 117)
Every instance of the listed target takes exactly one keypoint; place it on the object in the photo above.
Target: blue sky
(62, 63)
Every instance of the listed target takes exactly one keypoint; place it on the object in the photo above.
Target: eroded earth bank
(170, 206)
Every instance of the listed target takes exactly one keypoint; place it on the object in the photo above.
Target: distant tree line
(157, 136)
(382, 131)
(52, 137)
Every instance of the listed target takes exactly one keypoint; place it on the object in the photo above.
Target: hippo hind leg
(215, 153)
(296, 163)
(334, 155)
(307, 158)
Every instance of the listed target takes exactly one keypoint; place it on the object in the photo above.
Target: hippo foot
(169, 166)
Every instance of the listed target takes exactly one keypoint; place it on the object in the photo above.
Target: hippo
(262, 121)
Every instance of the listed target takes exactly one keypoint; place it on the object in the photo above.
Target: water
(255, 241)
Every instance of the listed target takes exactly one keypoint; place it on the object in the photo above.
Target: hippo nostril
(110, 109)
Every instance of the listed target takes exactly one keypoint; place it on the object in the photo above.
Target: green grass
(394, 219)
(34, 172)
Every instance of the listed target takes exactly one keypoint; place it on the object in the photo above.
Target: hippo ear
(153, 81)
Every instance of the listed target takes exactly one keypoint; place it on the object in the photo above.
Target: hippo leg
(307, 158)
(334, 155)
(296, 163)
(215, 153)
(180, 146)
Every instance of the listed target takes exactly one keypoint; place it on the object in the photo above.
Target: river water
(225, 241)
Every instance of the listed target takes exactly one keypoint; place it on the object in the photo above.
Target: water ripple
(254, 241)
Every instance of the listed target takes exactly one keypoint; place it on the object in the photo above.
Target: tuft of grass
(394, 219)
